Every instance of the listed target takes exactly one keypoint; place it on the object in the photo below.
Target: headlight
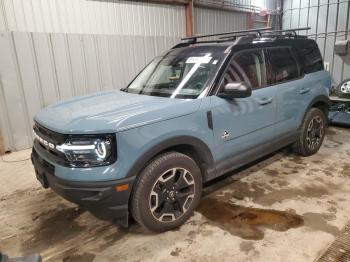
(89, 151)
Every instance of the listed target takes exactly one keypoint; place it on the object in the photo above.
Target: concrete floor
(283, 208)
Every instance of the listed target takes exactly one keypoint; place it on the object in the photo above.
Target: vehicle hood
(111, 111)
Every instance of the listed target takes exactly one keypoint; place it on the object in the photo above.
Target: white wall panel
(38, 69)
(207, 21)
(18, 135)
(92, 17)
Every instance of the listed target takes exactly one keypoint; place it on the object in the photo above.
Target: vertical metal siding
(207, 21)
(323, 16)
(244, 4)
(55, 49)
(92, 17)
(39, 69)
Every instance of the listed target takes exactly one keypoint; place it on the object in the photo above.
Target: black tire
(339, 92)
(304, 146)
(154, 185)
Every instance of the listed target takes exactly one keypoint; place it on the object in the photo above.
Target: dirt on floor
(282, 208)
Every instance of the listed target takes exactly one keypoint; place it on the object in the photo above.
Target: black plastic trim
(248, 156)
(99, 198)
(210, 119)
(202, 149)
(321, 98)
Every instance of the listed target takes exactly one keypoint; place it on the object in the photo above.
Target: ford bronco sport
(195, 113)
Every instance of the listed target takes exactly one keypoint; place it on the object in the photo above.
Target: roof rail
(292, 30)
(251, 34)
(193, 39)
(227, 36)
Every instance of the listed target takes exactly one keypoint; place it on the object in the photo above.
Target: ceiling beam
(167, 2)
(223, 6)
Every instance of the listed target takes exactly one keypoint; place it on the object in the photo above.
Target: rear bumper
(102, 199)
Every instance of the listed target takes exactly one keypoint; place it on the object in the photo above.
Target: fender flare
(320, 98)
(201, 148)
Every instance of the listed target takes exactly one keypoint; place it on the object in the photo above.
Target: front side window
(284, 66)
(248, 67)
(176, 76)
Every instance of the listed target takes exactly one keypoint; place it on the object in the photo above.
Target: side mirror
(235, 90)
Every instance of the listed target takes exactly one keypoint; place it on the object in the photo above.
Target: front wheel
(312, 133)
(166, 192)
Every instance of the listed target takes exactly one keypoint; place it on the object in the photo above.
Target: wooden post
(189, 19)
(250, 20)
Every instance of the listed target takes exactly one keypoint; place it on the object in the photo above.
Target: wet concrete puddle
(246, 222)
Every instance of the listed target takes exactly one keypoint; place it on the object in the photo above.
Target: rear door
(292, 95)
(243, 125)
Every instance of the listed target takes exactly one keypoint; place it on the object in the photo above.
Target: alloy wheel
(172, 194)
(345, 87)
(315, 132)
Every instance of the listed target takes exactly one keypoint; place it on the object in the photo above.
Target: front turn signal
(122, 187)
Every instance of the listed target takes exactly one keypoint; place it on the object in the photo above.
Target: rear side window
(283, 65)
(311, 57)
(248, 67)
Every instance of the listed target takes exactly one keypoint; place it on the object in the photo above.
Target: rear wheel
(312, 133)
(166, 192)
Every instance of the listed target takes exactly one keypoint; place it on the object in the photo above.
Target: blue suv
(195, 113)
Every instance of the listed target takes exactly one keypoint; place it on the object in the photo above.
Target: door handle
(265, 101)
(304, 90)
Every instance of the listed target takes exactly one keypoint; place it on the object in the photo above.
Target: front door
(242, 126)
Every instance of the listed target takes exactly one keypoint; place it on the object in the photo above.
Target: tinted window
(284, 66)
(311, 57)
(248, 67)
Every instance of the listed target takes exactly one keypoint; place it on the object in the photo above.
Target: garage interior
(280, 208)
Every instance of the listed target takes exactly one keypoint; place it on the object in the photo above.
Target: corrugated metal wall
(324, 17)
(207, 21)
(243, 4)
(92, 17)
(55, 49)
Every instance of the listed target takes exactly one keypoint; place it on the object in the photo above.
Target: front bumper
(106, 200)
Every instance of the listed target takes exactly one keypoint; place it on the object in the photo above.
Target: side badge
(225, 135)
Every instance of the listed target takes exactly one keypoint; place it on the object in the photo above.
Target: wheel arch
(188, 145)
(321, 102)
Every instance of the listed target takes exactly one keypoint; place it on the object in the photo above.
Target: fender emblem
(225, 135)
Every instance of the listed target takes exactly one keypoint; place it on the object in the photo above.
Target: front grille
(49, 135)
(54, 138)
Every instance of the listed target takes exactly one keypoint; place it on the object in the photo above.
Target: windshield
(176, 76)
